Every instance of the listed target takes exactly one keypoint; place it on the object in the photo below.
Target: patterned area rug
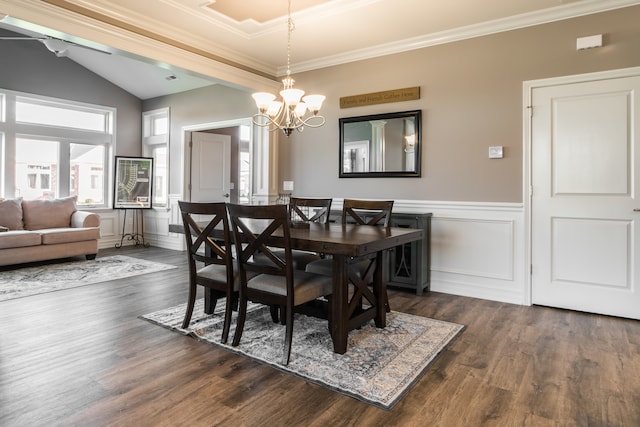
(22, 282)
(379, 367)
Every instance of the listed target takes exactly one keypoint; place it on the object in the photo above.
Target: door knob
(226, 195)
(636, 210)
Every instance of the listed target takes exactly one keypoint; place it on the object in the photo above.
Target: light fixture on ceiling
(288, 114)
(59, 47)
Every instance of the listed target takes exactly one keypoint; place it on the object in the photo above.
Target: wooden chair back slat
(367, 212)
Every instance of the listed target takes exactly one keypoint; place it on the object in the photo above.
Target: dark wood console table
(409, 265)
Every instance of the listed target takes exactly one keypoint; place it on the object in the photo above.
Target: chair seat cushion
(322, 266)
(218, 273)
(299, 259)
(308, 286)
(325, 267)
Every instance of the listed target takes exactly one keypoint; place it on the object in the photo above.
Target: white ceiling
(327, 32)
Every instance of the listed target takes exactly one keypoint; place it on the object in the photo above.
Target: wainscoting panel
(110, 228)
(477, 249)
(156, 224)
(473, 247)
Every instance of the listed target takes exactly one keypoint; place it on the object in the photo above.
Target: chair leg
(288, 336)
(242, 314)
(190, 303)
(273, 309)
(329, 316)
(227, 317)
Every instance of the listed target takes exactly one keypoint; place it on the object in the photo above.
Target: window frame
(151, 141)
(12, 130)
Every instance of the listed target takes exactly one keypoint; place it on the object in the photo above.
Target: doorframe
(185, 165)
(527, 191)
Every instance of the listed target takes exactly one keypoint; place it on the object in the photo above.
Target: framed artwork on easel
(133, 183)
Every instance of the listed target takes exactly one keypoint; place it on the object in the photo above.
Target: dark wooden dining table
(344, 243)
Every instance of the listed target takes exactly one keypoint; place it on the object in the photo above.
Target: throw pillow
(41, 214)
(11, 214)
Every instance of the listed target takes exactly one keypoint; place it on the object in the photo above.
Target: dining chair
(361, 269)
(210, 261)
(302, 211)
(259, 228)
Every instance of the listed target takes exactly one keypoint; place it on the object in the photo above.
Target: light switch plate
(287, 185)
(495, 152)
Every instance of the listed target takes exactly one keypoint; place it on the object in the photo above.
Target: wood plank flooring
(82, 357)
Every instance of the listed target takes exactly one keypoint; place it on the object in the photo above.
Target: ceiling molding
(120, 23)
(251, 29)
(129, 33)
(63, 23)
(559, 13)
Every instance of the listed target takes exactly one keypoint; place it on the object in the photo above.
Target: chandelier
(288, 114)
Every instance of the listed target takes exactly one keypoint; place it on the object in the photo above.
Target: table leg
(339, 304)
(379, 290)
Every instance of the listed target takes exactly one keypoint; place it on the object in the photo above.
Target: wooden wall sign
(396, 95)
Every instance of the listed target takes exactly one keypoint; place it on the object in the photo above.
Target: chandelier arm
(270, 123)
(309, 121)
(286, 118)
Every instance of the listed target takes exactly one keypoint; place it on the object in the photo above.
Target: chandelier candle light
(288, 114)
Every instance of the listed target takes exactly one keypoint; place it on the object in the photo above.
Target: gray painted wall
(211, 104)
(27, 66)
(471, 98)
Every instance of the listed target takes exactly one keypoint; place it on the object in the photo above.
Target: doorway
(585, 192)
(237, 163)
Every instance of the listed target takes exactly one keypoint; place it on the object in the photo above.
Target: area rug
(22, 282)
(379, 367)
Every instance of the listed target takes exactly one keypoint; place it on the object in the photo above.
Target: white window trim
(11, 130)
(149, 141)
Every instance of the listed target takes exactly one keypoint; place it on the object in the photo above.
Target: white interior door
(210, 167)
(585, 154)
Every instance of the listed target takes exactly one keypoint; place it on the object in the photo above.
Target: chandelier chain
(289, 113)
(290, 27)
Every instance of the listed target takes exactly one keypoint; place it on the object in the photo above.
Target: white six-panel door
(585, 158)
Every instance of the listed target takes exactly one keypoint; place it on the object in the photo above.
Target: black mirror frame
(417, 173)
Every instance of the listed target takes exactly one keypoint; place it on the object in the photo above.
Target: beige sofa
(38, 230)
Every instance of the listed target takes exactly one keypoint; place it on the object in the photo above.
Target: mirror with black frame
(381, 145)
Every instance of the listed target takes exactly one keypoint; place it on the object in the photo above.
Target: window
(155, 143)
(36, 168)
(62, 148)
(54, 114)
(87, 170)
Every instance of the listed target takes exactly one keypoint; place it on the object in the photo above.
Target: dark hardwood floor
(82, 357)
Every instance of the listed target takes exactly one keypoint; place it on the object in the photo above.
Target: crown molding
(559, 13)
(118, 32)
(133, 41)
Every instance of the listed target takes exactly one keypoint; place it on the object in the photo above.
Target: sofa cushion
(19, 239)
(42, 214)
(53, 236)
(11, 214)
